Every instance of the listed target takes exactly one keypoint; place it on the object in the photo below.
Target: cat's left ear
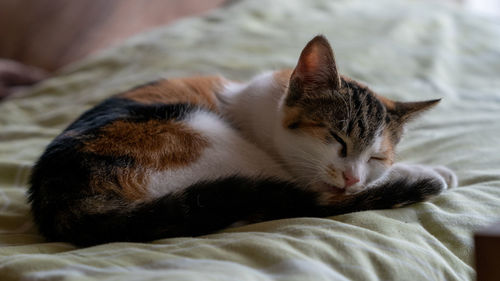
(316, 69)
(406, 111)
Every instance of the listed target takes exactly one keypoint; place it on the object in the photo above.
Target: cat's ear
(315, 70)
(406, 111)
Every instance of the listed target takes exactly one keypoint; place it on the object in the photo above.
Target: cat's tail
(210, 206)
(199, 209)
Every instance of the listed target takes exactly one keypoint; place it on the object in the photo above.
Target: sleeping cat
(190, 156)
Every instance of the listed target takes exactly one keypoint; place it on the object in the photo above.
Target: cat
(190, 156)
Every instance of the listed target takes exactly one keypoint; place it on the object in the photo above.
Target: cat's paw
(421, 182)
(448, 175)
(421, 189)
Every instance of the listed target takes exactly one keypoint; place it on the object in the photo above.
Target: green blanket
(406, 50)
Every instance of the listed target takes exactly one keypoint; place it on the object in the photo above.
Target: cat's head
(338, 134)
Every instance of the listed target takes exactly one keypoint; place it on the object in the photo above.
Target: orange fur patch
(153, 145)
(195, 90)
(291, 115)
(131, 183)
(388, 146)
(389, 104)
(315, 131)
(304, 124)
(157, 144)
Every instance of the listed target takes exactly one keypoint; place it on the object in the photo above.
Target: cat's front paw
(421, 182)
(448, 175)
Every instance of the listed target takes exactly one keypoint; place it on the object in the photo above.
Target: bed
(406, 50)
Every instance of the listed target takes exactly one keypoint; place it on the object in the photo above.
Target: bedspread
(406, 50)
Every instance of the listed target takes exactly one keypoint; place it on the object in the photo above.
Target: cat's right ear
(402, 112)
(315, 70)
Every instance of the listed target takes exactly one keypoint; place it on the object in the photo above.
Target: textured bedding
(406, 50)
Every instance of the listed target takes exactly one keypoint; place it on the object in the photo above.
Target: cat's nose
(349, 179)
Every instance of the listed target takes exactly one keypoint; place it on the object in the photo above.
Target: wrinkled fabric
(405, 50)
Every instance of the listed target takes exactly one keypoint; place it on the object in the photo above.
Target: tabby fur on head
(189, 156)
(338, 133)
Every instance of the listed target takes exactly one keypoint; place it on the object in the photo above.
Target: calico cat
(190, 156)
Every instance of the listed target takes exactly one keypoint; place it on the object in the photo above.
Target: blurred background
(40, 36)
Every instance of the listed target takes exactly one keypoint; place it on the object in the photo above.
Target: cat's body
(190, 156)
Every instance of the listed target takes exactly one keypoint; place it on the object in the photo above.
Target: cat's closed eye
(343, 150)
(377, 158)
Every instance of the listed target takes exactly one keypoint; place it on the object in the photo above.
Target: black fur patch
(114, 109)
